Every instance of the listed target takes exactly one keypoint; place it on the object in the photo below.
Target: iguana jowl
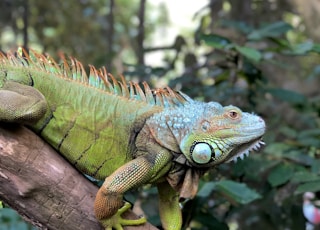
(116, 131)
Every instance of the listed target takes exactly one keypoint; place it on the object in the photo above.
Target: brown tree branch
(141, 32)
(43, 187)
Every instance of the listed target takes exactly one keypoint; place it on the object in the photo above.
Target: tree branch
(141, 32)
(43, 187)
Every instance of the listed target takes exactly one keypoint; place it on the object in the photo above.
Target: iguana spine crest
(101, 79)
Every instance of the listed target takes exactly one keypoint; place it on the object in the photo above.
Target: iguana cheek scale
(116, 131)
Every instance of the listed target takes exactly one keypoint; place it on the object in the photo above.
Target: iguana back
(91, 121)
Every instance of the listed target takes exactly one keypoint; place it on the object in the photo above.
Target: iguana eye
(201, 153)
(233, 114)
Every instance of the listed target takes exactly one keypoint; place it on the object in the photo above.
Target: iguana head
(220, 134)
(201, 135)
(206, 134)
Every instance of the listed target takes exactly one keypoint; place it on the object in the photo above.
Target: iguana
(123, 134)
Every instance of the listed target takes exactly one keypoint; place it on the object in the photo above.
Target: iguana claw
(116, 221)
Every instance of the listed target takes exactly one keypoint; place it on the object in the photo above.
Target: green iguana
(117, 131)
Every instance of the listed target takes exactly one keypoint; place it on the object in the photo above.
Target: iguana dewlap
(118, 132)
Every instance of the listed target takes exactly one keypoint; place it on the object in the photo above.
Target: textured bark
(42, 186)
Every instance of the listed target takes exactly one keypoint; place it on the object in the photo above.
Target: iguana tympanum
(116, 131)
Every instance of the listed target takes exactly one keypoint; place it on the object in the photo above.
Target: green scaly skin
(118, 132)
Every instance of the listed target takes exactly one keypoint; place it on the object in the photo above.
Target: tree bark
(43, 187)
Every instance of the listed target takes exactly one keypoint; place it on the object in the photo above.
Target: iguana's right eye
(233, 114)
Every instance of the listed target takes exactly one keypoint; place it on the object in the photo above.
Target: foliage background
(262, 56)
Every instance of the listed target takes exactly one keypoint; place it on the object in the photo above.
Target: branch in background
(110, 32)
(25, 23)
(140, 37)
(43, 187)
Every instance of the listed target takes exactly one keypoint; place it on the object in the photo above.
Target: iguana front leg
(21, 103)
(109, 199)
(169, 207)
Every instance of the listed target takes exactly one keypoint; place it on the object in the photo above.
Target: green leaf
(10, 219)
(234, 191)
(288, 131)
(249, 53)
(316, 48)
(238, 25)
(280, 175)
(206, 189)
(277, 148)
(209, 221)
(315, 72)
(272, 30)
(298, 157)
(288, 95)
(304, 176)
(283, 44)
(308, 187)
(237, 192)
(302, 48)
(215, 40)
(309, 133)
(315, 166)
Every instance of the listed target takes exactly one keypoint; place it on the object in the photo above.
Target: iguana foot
(116, 221)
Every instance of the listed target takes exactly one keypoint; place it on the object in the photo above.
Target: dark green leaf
(282, 43)
(206, 189)
(315, 72)
(288, 95)
(210, 222)
(288, 131)
(10, 219)
(237, 192)
(249, 53)
(277, 148)
(215, 40)
(280, 175)
(304, 176)
(316, 48)
(298, 157)
(309, 133)
(308, 187)
(238, 25)
(315, 166)
(309, 141)
(272, 30)
(254, 167)
(302, 48)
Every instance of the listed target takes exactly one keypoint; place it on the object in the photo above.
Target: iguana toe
(116, 221)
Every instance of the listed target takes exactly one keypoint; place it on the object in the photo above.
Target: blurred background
(262, 56)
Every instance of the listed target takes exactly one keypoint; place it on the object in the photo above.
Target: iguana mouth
(244, 150)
